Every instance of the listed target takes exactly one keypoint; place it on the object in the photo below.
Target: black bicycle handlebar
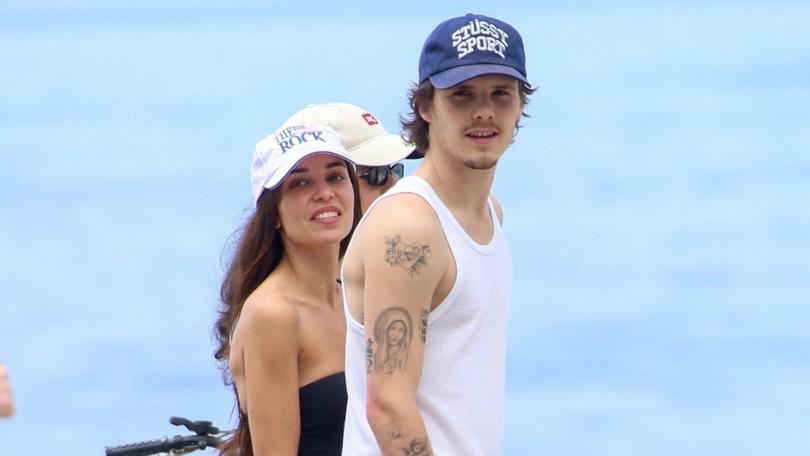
(178, 442)
(201, 440)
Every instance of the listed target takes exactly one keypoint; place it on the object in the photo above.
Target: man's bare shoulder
(407, 212)
(402, 239)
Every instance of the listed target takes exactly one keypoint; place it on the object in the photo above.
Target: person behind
(6, 398)
(281, 328)
(376, 153)
(427, 276)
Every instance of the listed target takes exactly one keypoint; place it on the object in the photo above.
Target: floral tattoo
(408, 256)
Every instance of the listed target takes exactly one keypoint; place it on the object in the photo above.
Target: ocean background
(656, 203)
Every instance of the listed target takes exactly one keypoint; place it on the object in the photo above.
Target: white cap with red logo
(361, 133)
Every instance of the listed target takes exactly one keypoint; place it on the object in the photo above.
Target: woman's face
(317, 202)
(396, 332)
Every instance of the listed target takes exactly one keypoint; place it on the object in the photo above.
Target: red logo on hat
(370, 119)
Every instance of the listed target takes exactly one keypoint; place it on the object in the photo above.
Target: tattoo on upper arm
(408, 256)
(423, 325)
(390, 349)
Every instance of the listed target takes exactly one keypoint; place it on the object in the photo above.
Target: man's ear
(424, 113)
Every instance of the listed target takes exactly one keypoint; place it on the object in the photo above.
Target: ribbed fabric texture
(323, 407)
(461, 392)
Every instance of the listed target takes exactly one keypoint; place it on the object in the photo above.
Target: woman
(281, 328)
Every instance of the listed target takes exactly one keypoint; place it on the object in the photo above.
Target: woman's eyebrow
(334, 164)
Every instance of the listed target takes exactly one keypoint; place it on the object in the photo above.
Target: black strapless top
(323, 410)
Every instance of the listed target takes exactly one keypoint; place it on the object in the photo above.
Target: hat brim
(291, 161)
(381, 150)
(455, 76)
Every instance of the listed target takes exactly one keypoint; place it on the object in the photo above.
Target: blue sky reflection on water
(655, 204)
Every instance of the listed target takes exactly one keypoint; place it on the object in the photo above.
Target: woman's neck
(312, 271)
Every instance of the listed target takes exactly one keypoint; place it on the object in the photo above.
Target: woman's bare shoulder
(268, 312)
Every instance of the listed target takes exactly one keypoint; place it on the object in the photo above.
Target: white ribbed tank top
(461, 393)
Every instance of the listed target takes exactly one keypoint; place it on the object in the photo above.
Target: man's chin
(481, 164)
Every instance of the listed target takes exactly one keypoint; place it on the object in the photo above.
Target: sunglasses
(377, 176)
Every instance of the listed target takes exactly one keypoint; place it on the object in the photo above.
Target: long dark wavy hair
(258, 252)
(415, 128)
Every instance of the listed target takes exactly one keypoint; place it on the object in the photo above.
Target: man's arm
(405, 256)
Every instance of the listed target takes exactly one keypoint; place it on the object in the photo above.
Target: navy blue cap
(468, 46)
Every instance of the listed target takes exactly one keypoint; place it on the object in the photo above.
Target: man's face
(369, 192)
(474, 122)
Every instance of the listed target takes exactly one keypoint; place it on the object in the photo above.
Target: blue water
(656, 205)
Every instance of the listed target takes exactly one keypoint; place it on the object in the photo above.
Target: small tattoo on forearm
(393, 331)
(418, 447)
(408, 256)
(393, 435)
(423, 320)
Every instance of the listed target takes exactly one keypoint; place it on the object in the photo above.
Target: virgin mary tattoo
(393, 331)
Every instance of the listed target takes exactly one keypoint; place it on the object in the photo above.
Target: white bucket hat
(278, 154)
(363, 135)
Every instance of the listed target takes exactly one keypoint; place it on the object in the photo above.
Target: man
(377, 153)
(427, 276)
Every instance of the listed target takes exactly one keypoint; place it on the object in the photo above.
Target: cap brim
(291, 161)
(457, 75)
(381, 150)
